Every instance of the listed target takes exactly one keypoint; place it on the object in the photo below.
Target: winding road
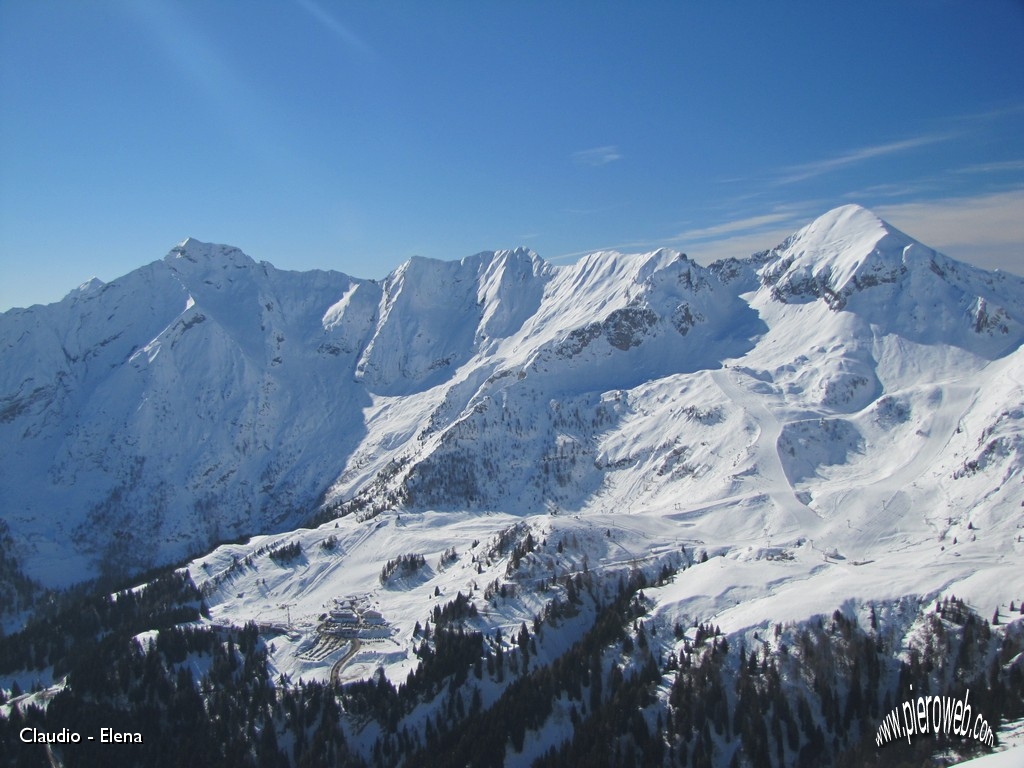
(339, 665)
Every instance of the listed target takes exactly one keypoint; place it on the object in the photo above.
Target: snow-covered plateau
(832, 425)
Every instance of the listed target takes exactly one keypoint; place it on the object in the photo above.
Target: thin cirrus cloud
(893, 190)
(1000, 167)
(597, 156)
(805, 171)
(351, 41)
(732, 227)
(237, 103)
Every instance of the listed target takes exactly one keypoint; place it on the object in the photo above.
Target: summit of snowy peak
(479, 260)
(845, 236)
(846, 219)
(614, 270)
(435, 314)
(840, 253)
(849, 259)
(507, 264)
(90, 286)
(520, 252)
(849, 249)
(198, 252)
(661, 256)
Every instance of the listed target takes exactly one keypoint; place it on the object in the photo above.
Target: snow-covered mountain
(839, 418)
(834, 424)
(206, 396)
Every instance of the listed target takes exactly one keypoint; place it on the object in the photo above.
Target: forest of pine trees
(812, 695)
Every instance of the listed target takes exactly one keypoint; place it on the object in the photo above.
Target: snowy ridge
(226, 397)
(833, 424)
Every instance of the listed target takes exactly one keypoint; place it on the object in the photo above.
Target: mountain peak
(196, 251)
(92, 285)
(835, 253)
(845, 229)
(847, 214)
(519, 252)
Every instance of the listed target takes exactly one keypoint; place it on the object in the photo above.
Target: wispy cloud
(908, 189)
(731, 227)
(1001, 167)
(234, 100)
(810, 170)
(352, 41)
(595, 210)
(990, 115)
(597, 156)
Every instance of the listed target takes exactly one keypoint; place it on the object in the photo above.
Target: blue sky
(350, 136)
